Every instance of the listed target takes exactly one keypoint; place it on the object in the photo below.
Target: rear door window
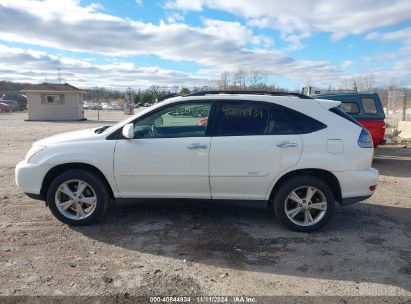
(368, 105)
(242, 118)
(278, 123)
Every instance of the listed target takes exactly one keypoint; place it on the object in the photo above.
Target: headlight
(33, 151)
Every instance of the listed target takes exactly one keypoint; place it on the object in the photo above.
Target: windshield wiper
(101, 130)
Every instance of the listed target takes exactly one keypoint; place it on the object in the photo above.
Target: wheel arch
(329, 178)
(55, 171)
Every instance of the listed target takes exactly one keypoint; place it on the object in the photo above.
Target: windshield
(125, 121)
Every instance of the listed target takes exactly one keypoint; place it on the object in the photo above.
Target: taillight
(373, 187)
(365, 140)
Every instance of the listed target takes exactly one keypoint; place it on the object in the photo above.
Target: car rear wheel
(304, 203)
(77, 197)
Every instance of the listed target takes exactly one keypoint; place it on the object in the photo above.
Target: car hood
(75, 136)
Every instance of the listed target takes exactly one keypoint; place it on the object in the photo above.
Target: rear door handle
(197, 147)
(287, 144)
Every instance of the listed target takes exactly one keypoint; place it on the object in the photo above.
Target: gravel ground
(201, 248)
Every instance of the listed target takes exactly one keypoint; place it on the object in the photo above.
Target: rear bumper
(355, 185)
(352, 200)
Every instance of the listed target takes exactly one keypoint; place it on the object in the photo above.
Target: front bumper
(355, 185)
(29, 177)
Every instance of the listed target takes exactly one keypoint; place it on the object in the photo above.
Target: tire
(304, 186)
(93, 199)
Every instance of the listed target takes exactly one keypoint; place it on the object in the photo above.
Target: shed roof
(58, 87)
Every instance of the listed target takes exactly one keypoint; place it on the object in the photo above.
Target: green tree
(185, 91)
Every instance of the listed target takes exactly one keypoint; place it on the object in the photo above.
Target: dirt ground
(200, 248)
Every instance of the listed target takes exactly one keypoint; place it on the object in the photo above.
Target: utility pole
(58, 75)
(98, 101)
(404, 104)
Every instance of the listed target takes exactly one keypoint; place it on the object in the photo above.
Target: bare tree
(244, 80)
(239, 80)
(256, 80)
(224, 82)
(359, 83)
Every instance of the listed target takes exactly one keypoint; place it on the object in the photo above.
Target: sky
(139, 43)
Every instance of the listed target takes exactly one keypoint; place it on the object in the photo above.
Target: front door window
(180, 120)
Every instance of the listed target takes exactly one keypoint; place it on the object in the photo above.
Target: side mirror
(128, 131)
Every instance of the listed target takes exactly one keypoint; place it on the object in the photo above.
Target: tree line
(241, 79)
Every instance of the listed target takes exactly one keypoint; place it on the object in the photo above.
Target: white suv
(299, 154)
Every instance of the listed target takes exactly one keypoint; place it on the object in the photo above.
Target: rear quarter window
(368, 106)
(301, 123)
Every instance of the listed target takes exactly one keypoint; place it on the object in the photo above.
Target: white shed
(54, 101)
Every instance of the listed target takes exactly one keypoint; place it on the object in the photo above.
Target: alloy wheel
(305, 206)
(75, 199)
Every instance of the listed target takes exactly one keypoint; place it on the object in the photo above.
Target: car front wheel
(304, 203)
(77, 197)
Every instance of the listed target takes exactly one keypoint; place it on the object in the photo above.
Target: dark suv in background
(366, 108)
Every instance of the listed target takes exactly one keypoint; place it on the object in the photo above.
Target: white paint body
(231, 167)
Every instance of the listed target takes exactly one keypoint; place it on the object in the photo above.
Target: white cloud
(77, 28)
(298, 19)
(175, 17)
(379, 57)
(400, 69)
(347, 64)
(217, 45)
(234, 32)
(403, 36)
(22, 65)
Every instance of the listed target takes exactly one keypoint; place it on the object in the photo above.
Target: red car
(203, 121)
(366, 108)
(4, 107)
(14, 105)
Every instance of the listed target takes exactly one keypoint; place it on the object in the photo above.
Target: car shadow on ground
(393, 162)
(362, 243)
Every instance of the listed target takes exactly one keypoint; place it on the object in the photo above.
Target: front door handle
(197, 147)
(287, 144)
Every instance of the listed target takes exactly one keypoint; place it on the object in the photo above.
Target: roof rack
(167, 96)
(202, 93)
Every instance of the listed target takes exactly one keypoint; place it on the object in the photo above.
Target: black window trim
(215, 111)
(342, 114)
